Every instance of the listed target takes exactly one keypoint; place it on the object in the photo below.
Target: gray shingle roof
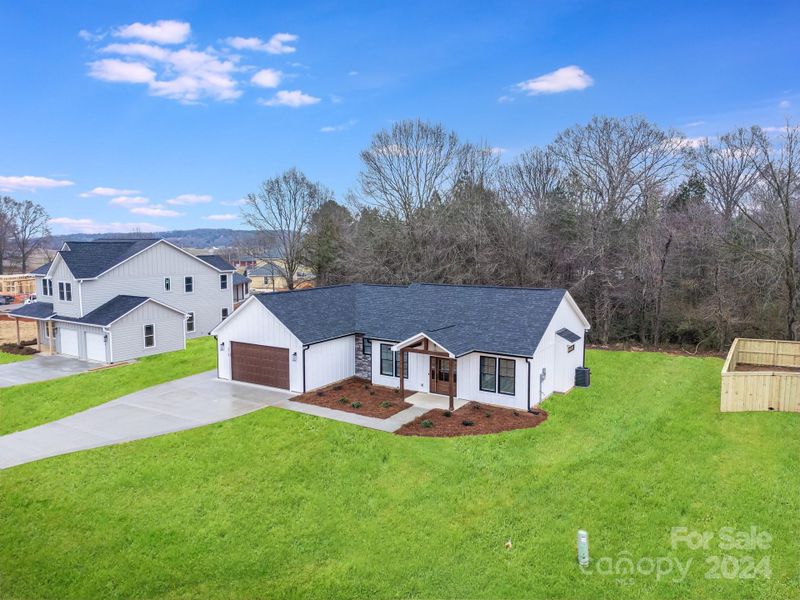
(239, 279)
(34, 310)
(109, 312)
(460, 318)
(90, 259)
(215, 261)
(42, 270)
(568, 335)
(265, 270)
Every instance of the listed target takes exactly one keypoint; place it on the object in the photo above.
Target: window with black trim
(397, 365)
(387, 360)
(506, 376)
(224, 313)
(188, 284)
(149, 336)
(167, 284)
(190, 322)
(223, 281)
(488, 374)
(366, 347)
(65, 291)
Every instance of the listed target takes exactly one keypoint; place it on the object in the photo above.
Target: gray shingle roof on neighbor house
(109, 312)
(568, 335)
(215, 261)
(239, 279)
(89, 259)
(462, 319)
(42, 270)
(34, 310)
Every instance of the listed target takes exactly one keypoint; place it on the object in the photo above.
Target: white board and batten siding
(468, 376)
(59, 272)
(127, 334)
(330, 361)
(143, 275)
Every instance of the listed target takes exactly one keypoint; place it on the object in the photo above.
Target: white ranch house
(511, 347)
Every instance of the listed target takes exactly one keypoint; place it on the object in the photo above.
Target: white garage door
(68, 340)
(96, 346)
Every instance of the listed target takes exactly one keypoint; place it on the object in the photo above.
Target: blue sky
(162, 115)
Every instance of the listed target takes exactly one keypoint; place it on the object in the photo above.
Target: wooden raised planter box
(761, 375)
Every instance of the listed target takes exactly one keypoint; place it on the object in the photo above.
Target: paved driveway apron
(42, 368)
(182, 404)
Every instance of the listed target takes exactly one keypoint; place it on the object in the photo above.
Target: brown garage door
(264, 365)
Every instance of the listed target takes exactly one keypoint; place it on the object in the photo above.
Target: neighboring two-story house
(114, 300)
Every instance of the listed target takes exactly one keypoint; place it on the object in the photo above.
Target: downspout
(304, 367)
(583, 363)
(528, 360)
(216, 345)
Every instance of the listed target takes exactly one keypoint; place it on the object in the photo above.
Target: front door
(440, 376)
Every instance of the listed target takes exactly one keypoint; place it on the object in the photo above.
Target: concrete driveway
(182, 404)
(42, 368)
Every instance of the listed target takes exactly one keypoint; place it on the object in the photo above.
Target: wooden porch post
(18, 340)
(451, 366)
(402, 377)
(50, 335)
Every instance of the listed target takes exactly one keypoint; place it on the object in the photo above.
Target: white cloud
(505, 99)
(691, 142)
(108, 191)
(186, 74)
(189, 199)
(565, 79)
(155, 211)
(498, 150)
(70, 225)
(160, 32)
(784, 104)
(128, 200)
(336, 128)
(31, 183)
(89, 36)
(224, 217)
(267, 78)
(277, 44)
(120, 71)
(294, 99)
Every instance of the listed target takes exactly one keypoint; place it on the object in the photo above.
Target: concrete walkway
(182, 404)
(390, 424)
(42, 368)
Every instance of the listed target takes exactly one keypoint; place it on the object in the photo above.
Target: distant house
(245, 262)
(507, 346)
(110, 301)
(268, 277)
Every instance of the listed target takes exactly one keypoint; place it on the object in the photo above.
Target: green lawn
(6, 358)
(28, 405)
(277, 504)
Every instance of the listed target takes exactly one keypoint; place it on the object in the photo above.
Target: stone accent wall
(363, 361)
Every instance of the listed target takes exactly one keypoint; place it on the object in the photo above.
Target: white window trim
(185, 277)
(166, 279)
(227, 281)
(222, 310)
(191, 312)
(64, 284)
(144, 335)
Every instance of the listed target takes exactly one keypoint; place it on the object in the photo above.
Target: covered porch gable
(443, 363)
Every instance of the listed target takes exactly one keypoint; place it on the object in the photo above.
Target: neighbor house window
(47, 287)
(224, 313)
(190, 322)
(366, 347)
(149, 336)
(188, 284)
(223, 281)
(65, 291)
(397, 365)
(167, 284)
(488, 374)
(506, 379)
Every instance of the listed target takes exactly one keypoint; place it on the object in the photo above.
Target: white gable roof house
(114, 300)
(510, 347)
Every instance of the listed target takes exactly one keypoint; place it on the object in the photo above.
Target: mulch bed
(484, 418)
(747, 367)
(368, 398)
(25, 349)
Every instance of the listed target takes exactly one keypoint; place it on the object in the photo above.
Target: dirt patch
(8, 330)
(471, 419)
(747, 367)
(358, 396)
(23, 350)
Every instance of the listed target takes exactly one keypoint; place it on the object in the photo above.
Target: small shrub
(427, 424)
(338, 388)
(320, 393)
(447, 413)
(366, 386)
(396, 390)
(487, 415)
(536, 412)
(356, 404)
(476, 406)
(385, 404)
(372, 392)
(516, 414)
(467, 423)
(343, 400)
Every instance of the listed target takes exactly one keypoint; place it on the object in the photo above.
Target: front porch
(442, 376)
(434, 401)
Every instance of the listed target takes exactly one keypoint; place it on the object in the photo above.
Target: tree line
(23, 230)
(661, 240)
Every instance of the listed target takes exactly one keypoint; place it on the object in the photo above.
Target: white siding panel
(252, 323)
(417, 369)
(61, 273)
(330, 361)
(144, 275)
(127, 334)
(468, 370)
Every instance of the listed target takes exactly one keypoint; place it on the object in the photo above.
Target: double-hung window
(506, 380)
(188, 284)
(190, 322)
(149, 336)
(488, 375)
(366, 347)
(47, 287)
(498, 375)
(65, 291)
(390, 362)
(224, 313)
(223, 281)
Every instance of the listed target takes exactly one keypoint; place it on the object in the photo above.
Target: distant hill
(186, 238)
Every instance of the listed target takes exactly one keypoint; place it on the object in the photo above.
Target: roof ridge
(489, 286)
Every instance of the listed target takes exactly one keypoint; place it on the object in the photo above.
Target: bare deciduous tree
(29, 229)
